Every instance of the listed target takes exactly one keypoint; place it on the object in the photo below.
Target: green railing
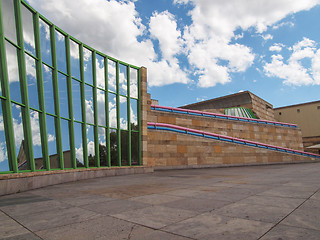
(64, 105)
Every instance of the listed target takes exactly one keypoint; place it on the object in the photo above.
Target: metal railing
(219, 116)
(178, 129)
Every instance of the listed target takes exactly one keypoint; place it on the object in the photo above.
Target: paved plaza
(253, 202)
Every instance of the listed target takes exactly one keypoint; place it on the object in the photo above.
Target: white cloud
(267, 37)
(292, 70)
(277, 47)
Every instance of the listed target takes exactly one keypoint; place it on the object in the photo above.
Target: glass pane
(19, 137)
(123, 80)
(87, 65)
(75, 60)
(101, 108)
(28, 33)
(123, 113)
(36, 139)
(100, 71)
(90, 146)
(89, 104)
(134, 114)
(78, 144)
(114, 147)
(9, 23)
(112, 110)
(124, 148)
(53, 156)
(66, 144)
(4, 163)
(32, 82)
(76, 100)
(112, 82)
(133, 83)
(134, 148)
(48, 89)
(13, 72)
(63, 96)
(61, 52)
(45, 42)
(103, 151)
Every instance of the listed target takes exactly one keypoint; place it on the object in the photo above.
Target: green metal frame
(25, 107)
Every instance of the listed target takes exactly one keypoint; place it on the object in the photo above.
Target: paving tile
(269, 214)
(99, 228)
(293, 192)
(159, 235)
(10, 228)
(33, 207)
(306, 216)
(293, 233)
(16, 199)
(281, 202)
(27, 236)
(316, 196)
(212, 226)
(155, 216)
(196, 204)
(115, 206)
(155, 199)
(50, 219)
(85, 200)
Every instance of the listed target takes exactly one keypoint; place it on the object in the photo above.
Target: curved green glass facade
(64, 105)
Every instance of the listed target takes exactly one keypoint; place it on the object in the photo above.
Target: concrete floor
(256, 202)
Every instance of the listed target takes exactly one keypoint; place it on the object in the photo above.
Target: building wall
(167, 149)
(269, 134)
(262, 108)
(306, 116)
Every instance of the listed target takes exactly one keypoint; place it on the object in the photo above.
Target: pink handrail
(226, 137)
(220, 115)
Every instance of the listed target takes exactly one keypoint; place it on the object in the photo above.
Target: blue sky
(202, 49)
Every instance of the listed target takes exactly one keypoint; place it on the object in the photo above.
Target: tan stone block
(182, 149)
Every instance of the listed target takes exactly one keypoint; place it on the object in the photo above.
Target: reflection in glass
(100, 71)
(32, 82)
(61, 52)
(89, 104)
(48, 89)
(112, 110)
(52, 147)
(19, 137)
(133, 83)
(9, 23)
(13, 72)
(28, 33)
(90, 146)
(124, 148)
(75, 60)
(4, 164)
(76, 100)
(78, 144)
(87, 64)
(101, 108)
(103, 151)
(134, 114)
(66, 144)
(114, 147)
(112, 73)
(45, 42)
(134, 148)
(123, 80)
(63, 95)
(36, 139)
(123, 113)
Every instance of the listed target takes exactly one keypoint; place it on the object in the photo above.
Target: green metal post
(95, 110)
(129, 115)
(70, 104)
(56, 95)
(118, 115)
(139, 115)
(83, 109)
(8, 125)
(24, 87)
(42, 118)
(107, 109)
